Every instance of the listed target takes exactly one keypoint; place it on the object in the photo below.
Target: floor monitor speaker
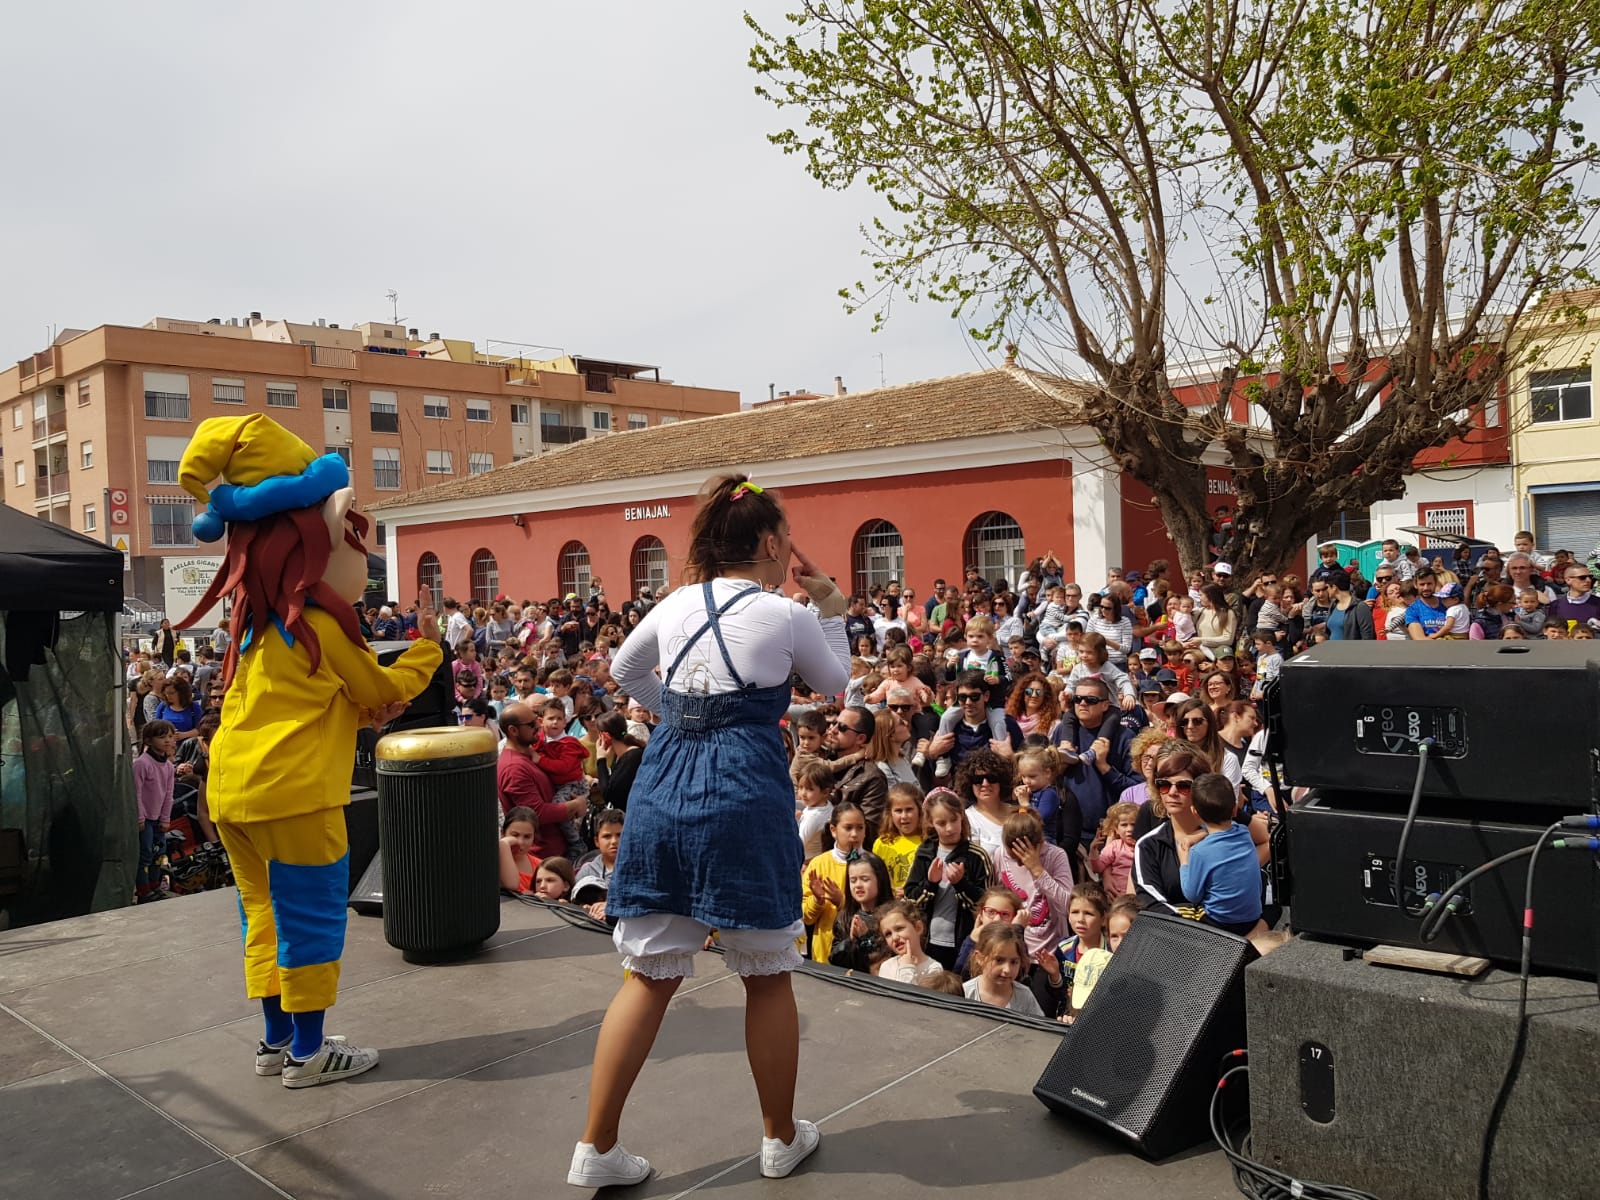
(1141, 1059)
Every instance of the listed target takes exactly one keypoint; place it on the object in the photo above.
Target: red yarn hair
(274, 567)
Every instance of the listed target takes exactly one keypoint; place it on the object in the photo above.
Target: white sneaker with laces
(778, 1158)
(270, 1059)
(615, 1168)
(941, 769)
(336, 1060)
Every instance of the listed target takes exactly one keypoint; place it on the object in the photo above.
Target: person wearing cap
(1144, 665)
(301, 680)
(1458, 620)
(1152, 709)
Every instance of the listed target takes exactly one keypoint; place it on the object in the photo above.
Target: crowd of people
(1014, 771)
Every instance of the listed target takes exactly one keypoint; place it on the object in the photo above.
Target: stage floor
(125, 1070)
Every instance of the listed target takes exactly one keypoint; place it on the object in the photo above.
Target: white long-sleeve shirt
(769, 638)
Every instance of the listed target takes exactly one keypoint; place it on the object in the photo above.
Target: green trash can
(438, 814)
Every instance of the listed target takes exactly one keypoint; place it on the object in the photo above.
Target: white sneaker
(615, 1168)
(779, 1158)
(941, 769)
(269, 1059)
(336, 1060)
(918, 759)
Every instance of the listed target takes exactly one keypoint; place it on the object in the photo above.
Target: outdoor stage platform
(125, 1070)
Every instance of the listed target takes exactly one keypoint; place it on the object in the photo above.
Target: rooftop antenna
(394, 306)
(883, 380)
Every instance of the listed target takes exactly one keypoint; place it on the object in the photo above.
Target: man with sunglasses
(972, 730)
(1579, 604)
(1094, 746)
(864, 784)
(521, 781)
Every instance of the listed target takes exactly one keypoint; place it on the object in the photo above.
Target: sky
(592, 177)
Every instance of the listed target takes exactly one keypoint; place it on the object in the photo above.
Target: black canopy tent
(67, 820)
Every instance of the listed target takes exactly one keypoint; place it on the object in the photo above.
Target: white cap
(1178, 697)
(1221, 568)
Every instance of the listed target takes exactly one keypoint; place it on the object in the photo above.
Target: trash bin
(438, 817)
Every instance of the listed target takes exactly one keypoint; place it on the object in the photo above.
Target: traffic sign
(120, 542)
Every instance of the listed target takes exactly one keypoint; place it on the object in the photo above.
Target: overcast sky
(593, 176)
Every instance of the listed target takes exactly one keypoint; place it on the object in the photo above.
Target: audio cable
(1423, 746)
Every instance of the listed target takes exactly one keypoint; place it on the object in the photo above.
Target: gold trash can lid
(439, 742)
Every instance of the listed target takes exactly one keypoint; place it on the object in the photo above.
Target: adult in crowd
(164, 644)
(865, 783)
(1579, 604)
(1094, 746)
(1348, 619)
(891, 737)
(1033, 704)
(984, 782)
(1489, 619)
(522, 782)
(1196, 722)
(1425, 616)
(1156, 876)
(972, 730)
(1524, 576)
(1217, 624)
(1112, 624)
(711, 834)
(1143, 750)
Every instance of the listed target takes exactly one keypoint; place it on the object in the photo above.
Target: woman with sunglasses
(891, 735)
(1156, 869)
(1196, 722)
(985, 781)
(1033, 703)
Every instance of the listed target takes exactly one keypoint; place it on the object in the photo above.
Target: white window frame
(1560, 382)
(480, 462)
(291, 390)
(85, 393)
(638, 421)
(185, 536)
(387, 456)
(436, 408)
(440, 462)
(335, 398)
(16, 415)
(90, 518)
(599, 420)
(479, 411)
(669, 420)
(521, 414)
(86, 455)
(21, 473)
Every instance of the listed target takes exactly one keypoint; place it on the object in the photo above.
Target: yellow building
(1555, 427)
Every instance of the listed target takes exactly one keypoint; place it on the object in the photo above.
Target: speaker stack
(1363, 1075)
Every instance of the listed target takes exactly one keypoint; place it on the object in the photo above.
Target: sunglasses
(900, 708)
(1182, 786)
(1033, 691)
(1088, 699)
(843, 728)
(969, 697)
(984, 780)
(1187, 721)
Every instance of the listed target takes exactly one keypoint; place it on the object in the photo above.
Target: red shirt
(520, 782)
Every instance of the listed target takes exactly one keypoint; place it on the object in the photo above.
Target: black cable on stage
(1440, 908)
(1423, 747)
(1257, 1180)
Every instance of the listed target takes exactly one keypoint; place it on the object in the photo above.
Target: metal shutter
(1567, 521)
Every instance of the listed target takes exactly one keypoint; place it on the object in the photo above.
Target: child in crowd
(1053, 621)
(813, 785)
(1180, 619)
(1458, 621)
(1124, 910)
(1271, 615)
(518, 834)
(1529, 614)
(947, 982)
(1554, 630)
(499, 694)
(900, 834)
(554, 879)
(153, 778)
(948, 875)
(999, 955)
(996, 904)
(593, 880)
(1268, 661)
(562, 758)
(1038, 771)
(1069, 651)
(824, 877)
(897, 673)
(855, 690)
(810, 732)
(857, 945)
(1218, 867)
(902, 929)
(1111, 854)
(1086, 913)
(981, 656)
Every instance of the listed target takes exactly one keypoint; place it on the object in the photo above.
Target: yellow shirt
(287, 741)
(817, 913)
(897, 853)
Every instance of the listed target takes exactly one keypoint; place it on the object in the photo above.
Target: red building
(909, 482)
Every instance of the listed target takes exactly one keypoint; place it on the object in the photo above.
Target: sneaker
(941, 769)
(615, 1168)
(918, 759)
(779, 1158)
(270, 1059)
(336, 1060)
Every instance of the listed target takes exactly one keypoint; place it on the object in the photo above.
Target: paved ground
(126, 1044)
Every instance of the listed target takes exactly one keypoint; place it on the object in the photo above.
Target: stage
(126, 1046)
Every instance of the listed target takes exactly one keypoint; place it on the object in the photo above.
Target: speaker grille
(1141, 1056)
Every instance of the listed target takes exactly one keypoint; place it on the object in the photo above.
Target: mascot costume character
(301, 680)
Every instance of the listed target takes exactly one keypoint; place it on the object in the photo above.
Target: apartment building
(92, 427)
(1556, 428)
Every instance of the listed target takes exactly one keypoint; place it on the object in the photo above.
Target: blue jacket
(1095, 792)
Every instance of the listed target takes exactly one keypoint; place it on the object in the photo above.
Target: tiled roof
(999, 400)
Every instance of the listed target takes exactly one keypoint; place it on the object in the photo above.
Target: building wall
(1560, 452)
(931, 511)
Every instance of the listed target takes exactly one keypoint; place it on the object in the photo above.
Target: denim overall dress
(711, 832)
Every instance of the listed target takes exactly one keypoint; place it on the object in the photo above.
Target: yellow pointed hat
(267, 470)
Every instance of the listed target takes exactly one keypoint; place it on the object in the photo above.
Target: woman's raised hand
(823, 591)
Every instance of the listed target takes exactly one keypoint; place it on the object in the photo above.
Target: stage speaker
(1383, 1079)
(367, 896)
(1141, 1059)
(1354, 713)
(361, 830)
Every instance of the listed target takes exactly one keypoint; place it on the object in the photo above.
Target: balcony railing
(49, 485)
(49, 425)
(335, 357)
(562, 433)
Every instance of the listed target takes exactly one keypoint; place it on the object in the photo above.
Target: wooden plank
(1435, 961)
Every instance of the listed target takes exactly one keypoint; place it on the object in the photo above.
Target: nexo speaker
(1141, 1059)
(1384, 1079)
(1512, 722)
(437, 819)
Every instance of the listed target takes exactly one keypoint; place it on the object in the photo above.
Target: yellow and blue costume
(281, 760)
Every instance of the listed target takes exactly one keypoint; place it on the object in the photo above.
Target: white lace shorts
(663, 946)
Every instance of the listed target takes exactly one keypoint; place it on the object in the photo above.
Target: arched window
(994, 544)
(485, 577)
(431, 577)
(572, 570)
(878, 554)
(649, 564)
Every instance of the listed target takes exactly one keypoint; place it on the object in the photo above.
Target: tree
(1348, 208)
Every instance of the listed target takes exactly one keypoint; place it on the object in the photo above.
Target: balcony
(45, 486)
(333, 357)
(562, 434)
(50, 425)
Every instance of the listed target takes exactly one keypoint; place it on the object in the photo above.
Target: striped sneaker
(336, 1060)
(269, 1059)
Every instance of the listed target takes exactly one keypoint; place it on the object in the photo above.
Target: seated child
(901, 927)
(518, 865)
(593, 880)
(856, 943)
(897, 663)
(1457, 619)
(813, 808)
(1111, 854)
(1529, 613)
(562, 757)
(1085, 951)
(999, 956)
(981, 656)
(1218, 869)
(947, 982)
(1124, 910)
(554, 879)
(1038, 770)
(1052, 620)
(900, 834)
(823, 880)
(1180, 621)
